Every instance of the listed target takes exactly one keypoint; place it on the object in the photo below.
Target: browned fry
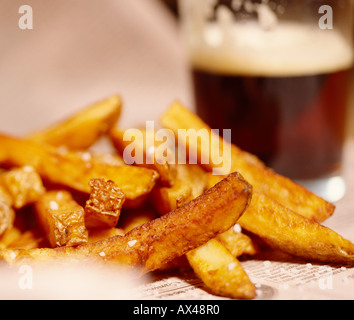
(285, 230)
(263, 179)
(61, 219)
(74, 171)
(83, 129)
(122, 139)
(292, 233)
(234, 240)
(23, 184)
(103, 208)
(221, 271)
(212, 260)
(154, 244)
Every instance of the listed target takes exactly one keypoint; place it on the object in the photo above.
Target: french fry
(294, 234)
(263, 179)
(61, 219)
(23, 184)
(290, 232)
(83, 129)
(221, 271)
(155, 243)
(210, 261)
(103, 208)
(74, 171)
(122, 139)
(234, 239)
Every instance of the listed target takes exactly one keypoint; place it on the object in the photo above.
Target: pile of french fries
(62, 201)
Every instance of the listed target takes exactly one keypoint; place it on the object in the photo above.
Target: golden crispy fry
(61, 219)
(23, 184)
(83, 129)
(74, 171)
(238, 243)
(154, 244)
(221, 271)
(214, 255)
(234, 240)
(103, 208)
(264, 180)
(131, 219)
(95, 235)
(190, 182)
(122, 139)
(292, 233)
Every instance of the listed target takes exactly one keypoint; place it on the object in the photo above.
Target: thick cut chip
(73, 170)
(83, 129)
(202, 259)
(292, 233)
(103, 208)
(23, 184)
(221, 271)
(234, 239)
(160, 241)
(201, 142)
(62, 219)
(144, 146)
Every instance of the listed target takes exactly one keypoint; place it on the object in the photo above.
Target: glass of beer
(277, 73)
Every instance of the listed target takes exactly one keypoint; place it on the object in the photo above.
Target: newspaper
(277, 276)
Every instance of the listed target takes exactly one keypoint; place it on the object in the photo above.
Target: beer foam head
(266, 46)
(288, 49)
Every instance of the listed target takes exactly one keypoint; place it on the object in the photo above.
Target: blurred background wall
(81, 51)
